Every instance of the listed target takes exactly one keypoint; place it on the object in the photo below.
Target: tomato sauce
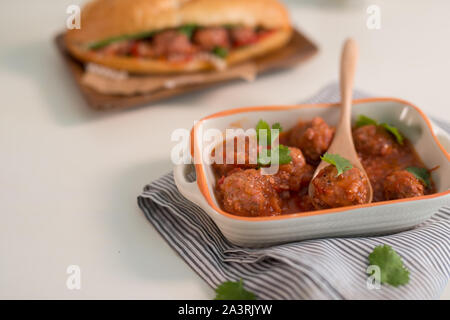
(380, 154)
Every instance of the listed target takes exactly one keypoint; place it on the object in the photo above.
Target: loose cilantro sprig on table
(364, 121)
(339, 162)
(233, 290)
(422, 174)
(283, 151)
(392, 269)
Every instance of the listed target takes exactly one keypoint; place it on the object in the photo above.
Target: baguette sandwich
(177, 36)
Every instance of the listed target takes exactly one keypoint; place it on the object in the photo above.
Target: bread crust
(102, 19)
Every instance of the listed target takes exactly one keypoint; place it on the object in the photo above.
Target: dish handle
(442, 136)
(189, 189)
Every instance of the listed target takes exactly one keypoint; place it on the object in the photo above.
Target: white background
(70, 176)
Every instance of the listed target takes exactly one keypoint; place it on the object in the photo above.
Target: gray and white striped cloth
(333, 268)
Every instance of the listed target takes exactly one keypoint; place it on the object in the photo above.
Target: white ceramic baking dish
(362, 220)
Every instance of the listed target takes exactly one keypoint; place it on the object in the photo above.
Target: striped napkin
(333, 268)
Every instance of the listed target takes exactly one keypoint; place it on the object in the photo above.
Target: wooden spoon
(342, 143)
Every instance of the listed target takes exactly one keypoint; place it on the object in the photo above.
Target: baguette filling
(183, 44)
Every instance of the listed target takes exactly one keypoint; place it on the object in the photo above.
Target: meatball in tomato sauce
(294, 175)
(313, 138)
(402, 184)
(242, 158)
(332, 190)
(248, 193)
(373, 140)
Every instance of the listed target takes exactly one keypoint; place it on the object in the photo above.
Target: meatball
(347, 189)
(294, 175)
(117, 48)
(210, 38)
(243, 160)
(402, 184)
(305, 203)
(248, 193)
(172, 44)
(242, 36)
(143, 49)
(313, 138)
(373, 140)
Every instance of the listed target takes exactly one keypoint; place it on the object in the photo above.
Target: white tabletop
(70, 176)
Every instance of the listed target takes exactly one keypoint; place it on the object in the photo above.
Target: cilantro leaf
(283, 156)
(188, 30)
(105, 42)
(422, 174)
(364, 121)
(394, 131)
(277, 126)
(233, 290)
(339, 162)
(392, 269)
(221, 52)
(263, 125)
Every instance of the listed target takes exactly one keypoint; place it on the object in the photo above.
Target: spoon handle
(347, 75)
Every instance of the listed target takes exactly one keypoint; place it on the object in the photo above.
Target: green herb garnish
(233, 290)
(220, 52)
(188, 30)
(392, 269)
(283, 156)
(277, 126)
(364, 121)
(263, 125)
(136, 36)
(339, 162)
(422, 174)
(394, 131)
(283, 151)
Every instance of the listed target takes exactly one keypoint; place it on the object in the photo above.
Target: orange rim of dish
(203, 184)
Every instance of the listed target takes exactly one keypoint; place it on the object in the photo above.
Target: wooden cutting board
(299, 49)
